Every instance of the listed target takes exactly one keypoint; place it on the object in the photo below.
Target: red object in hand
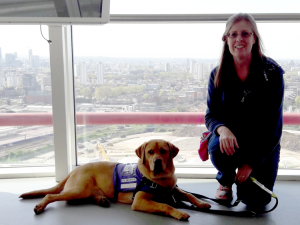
(203, 152)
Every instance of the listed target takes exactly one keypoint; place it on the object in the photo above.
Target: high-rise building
(192, 66)
(30, 56)
(29, 82)
(2, 82)
(10, 59)
(199, 71)
(167, 67)
(82, 73)
(12, 81)
(35, 60)
(210, 67)
(100, 73)
(45, 81)
(0, 54)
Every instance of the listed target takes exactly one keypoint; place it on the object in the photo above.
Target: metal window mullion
(62, 100)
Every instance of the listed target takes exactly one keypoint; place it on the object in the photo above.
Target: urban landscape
(120, 85)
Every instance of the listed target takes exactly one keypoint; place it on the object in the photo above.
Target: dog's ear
(140, 152)
(173, 150)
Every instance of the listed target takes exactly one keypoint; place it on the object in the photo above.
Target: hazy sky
(194, 40)
(201, 6)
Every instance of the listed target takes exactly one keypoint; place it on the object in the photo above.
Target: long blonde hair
(226, 60)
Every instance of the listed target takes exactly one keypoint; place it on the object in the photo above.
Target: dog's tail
(41, 193)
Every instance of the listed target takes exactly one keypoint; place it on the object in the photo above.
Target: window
(162, 68)
(25, 87)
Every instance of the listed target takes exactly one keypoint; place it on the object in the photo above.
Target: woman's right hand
(227, 140)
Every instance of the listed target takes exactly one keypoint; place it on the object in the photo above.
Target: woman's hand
(227, 140)
(243, 173)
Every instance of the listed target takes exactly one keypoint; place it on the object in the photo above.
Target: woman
(244, 114)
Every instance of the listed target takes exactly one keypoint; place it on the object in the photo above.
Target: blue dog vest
(126, 177)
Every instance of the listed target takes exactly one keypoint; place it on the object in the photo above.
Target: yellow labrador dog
(104, 181)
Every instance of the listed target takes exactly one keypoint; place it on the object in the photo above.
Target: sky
(201, 6)
(184, 40)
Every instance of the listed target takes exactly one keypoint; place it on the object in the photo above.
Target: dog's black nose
(157, 165)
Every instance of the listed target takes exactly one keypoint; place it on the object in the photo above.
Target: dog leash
(172, 199)
(229, 205)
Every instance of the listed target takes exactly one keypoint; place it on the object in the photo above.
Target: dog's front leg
(143, 202)
(187, 197)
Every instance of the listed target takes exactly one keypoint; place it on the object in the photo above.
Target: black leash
(229, 205)
(172, 199)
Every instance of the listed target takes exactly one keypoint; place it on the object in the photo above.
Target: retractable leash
(229, 205)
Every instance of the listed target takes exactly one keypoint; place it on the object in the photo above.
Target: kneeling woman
(244, 114)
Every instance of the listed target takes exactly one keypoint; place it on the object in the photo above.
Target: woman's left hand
(243, 173)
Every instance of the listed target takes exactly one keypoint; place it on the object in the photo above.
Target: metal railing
(87, 118)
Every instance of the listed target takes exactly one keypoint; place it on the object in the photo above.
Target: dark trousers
(250, 193)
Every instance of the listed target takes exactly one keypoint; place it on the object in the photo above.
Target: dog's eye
(150, 152)
(163, 151)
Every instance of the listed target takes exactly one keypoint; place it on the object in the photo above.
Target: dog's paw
(38, 209)
(104, 202)
(202, 205)
(179, 215)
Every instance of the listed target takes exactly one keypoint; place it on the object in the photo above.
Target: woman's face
(241, 40)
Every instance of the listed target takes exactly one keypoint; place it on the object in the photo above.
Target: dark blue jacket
(252, 110)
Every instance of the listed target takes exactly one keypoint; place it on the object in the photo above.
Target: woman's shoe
(224, 193)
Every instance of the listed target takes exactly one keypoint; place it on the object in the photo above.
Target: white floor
(16, 211)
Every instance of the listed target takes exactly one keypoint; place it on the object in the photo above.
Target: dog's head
(157, 157)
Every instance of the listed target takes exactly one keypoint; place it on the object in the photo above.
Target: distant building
(29, 82)
(192, 66)
(289, 97)
(39, 96)
(100, 73)
(0, 54)
(30, 56)
(44, 63)
(82, 73)
(35, 62)
(45, 81)
(10, 59)
(210, 67)
(199, 71)
(9, 92)
(2, 82)
(152, 86)
(167, 67)
(12, 81)
(39, 108)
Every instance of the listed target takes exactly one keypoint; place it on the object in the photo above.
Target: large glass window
(25, 87)
(163, 68)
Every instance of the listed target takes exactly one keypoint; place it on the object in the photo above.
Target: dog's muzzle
(158, 166)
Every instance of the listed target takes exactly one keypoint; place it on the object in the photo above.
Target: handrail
(88, 118)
